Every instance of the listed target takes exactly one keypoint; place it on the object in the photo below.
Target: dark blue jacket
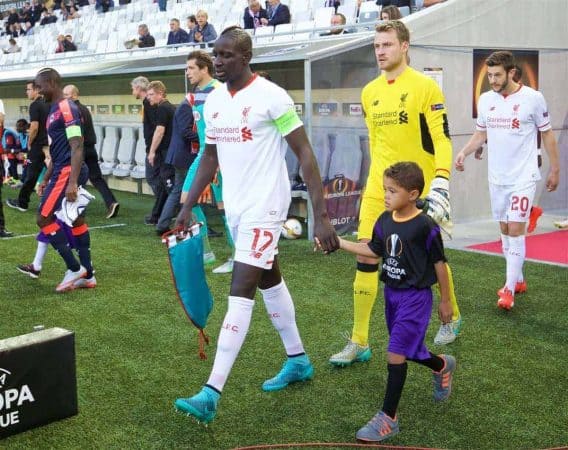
(280, 16)
(179, 152)
(181, 37)
(249, 21)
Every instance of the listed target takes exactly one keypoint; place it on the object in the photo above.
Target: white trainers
(85, 283)
(448, 332)
(227, 267)
(209, 258)
(69, 279)
(351, 353)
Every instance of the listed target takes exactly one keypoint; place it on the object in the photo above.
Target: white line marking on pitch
(20, 236)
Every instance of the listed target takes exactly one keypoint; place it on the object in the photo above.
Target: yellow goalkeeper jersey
(407, 121)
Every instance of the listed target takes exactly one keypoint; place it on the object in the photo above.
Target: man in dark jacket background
(71, 92)
(183, 149)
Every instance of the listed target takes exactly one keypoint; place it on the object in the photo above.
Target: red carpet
(550, 247)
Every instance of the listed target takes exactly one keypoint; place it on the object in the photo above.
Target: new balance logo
(215, 115)
(515, 124)
(246, 134)
(403, 117)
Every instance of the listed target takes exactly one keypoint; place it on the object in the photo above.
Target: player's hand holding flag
(438, 204)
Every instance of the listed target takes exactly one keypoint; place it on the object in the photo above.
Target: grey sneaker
(448, 332)
(443, 379)
(379, 428)
(351, 353)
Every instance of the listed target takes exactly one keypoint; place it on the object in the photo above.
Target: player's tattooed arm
(76, 144)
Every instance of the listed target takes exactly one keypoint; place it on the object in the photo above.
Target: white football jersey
(248, 128)
(511, 123)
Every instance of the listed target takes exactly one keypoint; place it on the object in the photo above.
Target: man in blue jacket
(253, 15)
(177, 35)
(277, 13)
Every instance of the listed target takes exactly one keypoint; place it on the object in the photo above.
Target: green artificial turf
(137, 352)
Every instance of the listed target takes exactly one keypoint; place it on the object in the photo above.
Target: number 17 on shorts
(257, 244)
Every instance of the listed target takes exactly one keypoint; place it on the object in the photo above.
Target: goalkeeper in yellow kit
(406, 117)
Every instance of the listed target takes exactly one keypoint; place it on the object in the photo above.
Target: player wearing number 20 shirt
(509, 117)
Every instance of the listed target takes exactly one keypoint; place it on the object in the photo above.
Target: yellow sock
(453, 299)
(365, 289)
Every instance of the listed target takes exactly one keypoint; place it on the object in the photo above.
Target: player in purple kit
(412, 252)
(66, 173)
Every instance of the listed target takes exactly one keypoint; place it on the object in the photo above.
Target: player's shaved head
(242, 40)
(48, 81)
(408, 175)
(71, 91)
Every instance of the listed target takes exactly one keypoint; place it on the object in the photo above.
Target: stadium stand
(101, 36)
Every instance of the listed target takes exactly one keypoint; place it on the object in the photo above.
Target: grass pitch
(136, 351)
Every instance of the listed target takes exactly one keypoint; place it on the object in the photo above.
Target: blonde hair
(158, 86)
(402, 32)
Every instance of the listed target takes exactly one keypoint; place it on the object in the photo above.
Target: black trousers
(96, 177)
(33, 170)
(163, 176)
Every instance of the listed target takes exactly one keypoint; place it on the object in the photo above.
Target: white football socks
(231, 338)
(40, 255)
(280, 308)
(515, 261)
(505, 245)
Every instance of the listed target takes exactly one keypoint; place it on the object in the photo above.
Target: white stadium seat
(110, 149)
(125, 152)
(139, 169)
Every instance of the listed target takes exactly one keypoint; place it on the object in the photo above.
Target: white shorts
(256, 244)
(512, 203)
